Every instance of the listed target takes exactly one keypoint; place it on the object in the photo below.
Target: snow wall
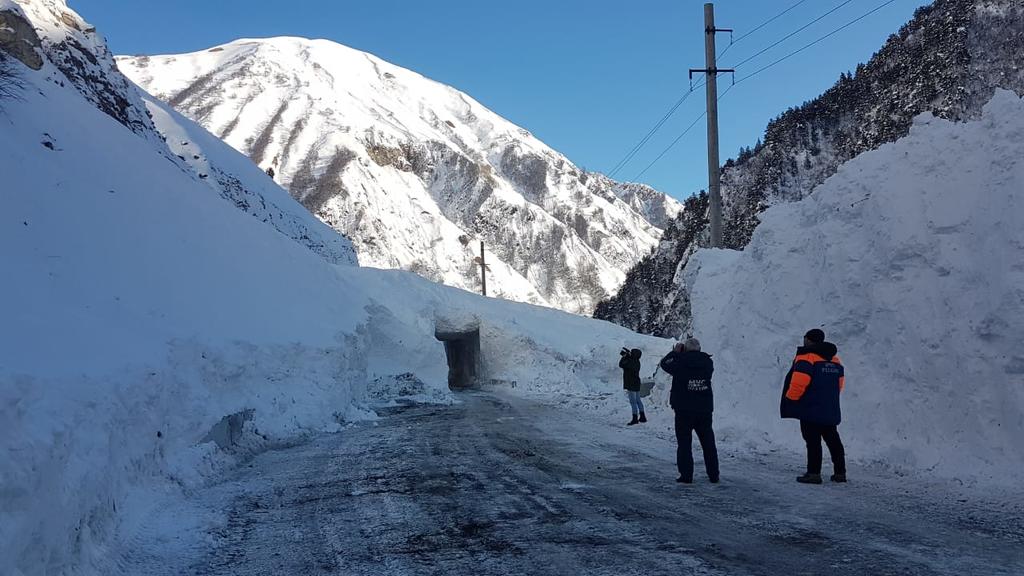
(911, 258)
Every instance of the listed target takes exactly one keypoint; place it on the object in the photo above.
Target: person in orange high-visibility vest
(811, 395)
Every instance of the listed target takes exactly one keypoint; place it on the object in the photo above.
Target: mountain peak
(414, 171)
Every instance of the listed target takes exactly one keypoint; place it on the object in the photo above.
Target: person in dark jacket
(811, 395)
(630, 364)
(693, 401)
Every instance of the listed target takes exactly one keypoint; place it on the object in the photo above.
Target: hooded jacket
(630, 365)
(691, 381)
(811, 390)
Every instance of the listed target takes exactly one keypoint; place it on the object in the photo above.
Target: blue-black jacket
(811, 390)
(630, 365)
(691, 381)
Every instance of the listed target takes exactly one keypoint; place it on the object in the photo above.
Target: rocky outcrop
(19, 39)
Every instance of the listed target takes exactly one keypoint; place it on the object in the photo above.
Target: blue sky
(589, 77)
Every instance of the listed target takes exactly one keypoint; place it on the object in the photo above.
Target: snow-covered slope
(140, 309)
(912, 260)
(415, 172)
(48, 36)
(232, 176)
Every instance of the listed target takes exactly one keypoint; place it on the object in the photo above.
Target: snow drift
(910, 258)
(142, 304)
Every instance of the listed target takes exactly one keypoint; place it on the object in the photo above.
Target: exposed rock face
(19, 39)
(948, 60)
(415, 172)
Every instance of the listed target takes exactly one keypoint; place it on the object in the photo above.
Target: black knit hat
(816, 335)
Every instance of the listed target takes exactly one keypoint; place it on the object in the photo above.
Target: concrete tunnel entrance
(462, 349)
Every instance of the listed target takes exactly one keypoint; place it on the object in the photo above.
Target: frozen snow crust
(140, 308)
(912, 260)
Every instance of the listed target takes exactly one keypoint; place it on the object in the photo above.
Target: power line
(793, 33)
(759, 26)
(621, 164)
(762, 69)
(650, 133)
(670, 146)
(808, 45)
(680, 137)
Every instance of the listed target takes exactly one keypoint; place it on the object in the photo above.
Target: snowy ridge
(916, 273)
(415, 172)
(69, 52)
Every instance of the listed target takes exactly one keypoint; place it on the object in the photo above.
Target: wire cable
(791, 34)
(759, 26)
(762, 69)
(812, 43)
(670, 146)
(650, 133)
(621, 164)
(680, 137)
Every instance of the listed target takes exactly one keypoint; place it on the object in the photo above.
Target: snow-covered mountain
(413, 171)
(948, 60)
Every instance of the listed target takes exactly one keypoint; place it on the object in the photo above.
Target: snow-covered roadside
(912, 259)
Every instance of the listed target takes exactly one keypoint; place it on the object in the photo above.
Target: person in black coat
(810, 394)
(630, 364)
(692, 399)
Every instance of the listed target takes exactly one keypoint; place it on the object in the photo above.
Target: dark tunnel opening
(462, 350)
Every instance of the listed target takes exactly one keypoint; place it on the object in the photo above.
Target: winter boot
(809, 478)
(838, 478)
(633, 421)
(643, 417)
(682, 480)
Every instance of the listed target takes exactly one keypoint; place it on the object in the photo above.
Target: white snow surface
(139, 309)
(414, 171)
(911, 258)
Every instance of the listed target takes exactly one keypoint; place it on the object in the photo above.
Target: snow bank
(912, 260)
(140, 310)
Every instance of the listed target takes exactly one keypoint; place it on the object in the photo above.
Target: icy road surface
(500, 485)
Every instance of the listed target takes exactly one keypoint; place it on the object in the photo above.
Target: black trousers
(686, 424)
(813, 434)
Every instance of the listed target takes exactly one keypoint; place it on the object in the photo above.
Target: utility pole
(714, 169)
(483, 269)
